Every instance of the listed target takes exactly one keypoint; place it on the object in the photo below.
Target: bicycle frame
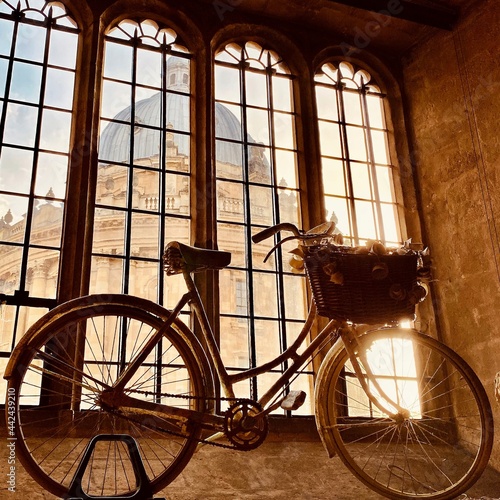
(227, 380)
(328, 335)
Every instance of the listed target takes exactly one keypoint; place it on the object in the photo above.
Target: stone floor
(282, 468)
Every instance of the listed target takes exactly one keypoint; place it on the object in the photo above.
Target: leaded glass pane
(51, 175)
(62, 50)
(18, 179)
(118, 61)
(56, 128)
(59, 89)
(26, 81)
(20, 125)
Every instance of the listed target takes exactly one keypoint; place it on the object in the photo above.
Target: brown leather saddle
(178, 256)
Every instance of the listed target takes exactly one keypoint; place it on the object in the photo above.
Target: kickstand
(143, 492)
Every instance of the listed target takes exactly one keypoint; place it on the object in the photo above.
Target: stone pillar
(100, 280)
(38, 286)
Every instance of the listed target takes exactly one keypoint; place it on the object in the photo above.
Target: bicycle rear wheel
(74, 354)
(438, 447)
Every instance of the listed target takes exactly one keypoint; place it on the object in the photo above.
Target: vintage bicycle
(100, 378)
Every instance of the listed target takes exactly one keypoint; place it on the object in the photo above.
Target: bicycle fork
(364, 373)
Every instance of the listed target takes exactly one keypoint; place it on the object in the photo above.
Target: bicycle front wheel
(75, 354)
(439, 438)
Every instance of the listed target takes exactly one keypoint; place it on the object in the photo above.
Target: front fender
(322, 385)
(320, 389)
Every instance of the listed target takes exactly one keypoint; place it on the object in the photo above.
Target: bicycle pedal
(294, 400)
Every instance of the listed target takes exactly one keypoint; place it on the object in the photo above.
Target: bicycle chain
(181, 396)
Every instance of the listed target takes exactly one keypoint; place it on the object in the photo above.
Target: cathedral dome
(115, 139)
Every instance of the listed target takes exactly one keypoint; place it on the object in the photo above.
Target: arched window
(356, 166)
(261, 304)
(38, 47)
(360, 191)
(144, 157)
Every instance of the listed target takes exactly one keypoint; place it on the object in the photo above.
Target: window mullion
(371, 162)
(347, 160)
(162, 167)
(3, 119)
(248, 225)
(130, 180)
(36, 152)
(274, 183)
(162, 171)
(8, 81)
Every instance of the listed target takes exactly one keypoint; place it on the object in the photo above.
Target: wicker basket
(362, 298)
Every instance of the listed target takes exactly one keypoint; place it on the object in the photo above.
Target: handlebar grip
(270, 231)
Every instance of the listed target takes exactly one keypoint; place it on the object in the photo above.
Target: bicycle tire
(442, 446)
(55, 419)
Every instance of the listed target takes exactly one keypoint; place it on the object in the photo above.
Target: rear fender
(97, 302)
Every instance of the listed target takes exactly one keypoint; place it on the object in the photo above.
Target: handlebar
(272, 230)
(323, 230)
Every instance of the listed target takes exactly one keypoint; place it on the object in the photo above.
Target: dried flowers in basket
(364, 284)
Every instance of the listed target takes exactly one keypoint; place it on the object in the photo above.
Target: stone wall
(452, 85)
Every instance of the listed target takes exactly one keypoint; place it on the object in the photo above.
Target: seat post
(208, 341)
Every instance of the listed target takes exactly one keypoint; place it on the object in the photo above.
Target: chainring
(245, 426)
